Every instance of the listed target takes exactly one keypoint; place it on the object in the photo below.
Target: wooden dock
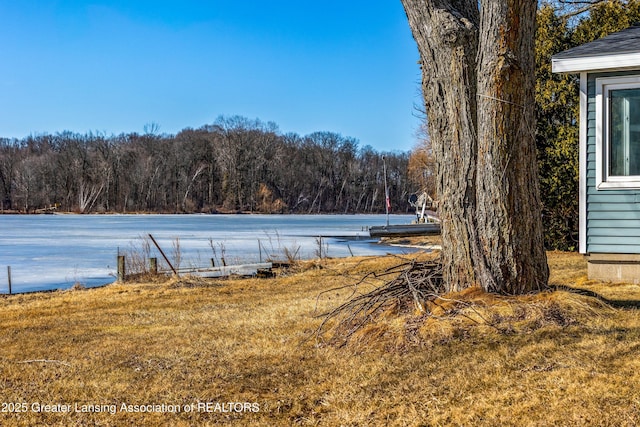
(420, 229)
(228, 270)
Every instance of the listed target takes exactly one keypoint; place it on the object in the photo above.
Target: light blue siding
(616, 249)
(622, 207)
(623, 213)
(616, 232)
(613, 216)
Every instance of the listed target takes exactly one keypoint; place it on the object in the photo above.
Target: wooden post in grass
(153, 265)
(121, 269)
(163, 255)
(9, 277)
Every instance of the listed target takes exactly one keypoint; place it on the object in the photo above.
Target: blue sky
(346, 66)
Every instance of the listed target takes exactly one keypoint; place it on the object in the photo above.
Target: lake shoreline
(220, 212)
(58, 251)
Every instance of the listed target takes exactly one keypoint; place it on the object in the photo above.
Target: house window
(624, 132)
(618, 132)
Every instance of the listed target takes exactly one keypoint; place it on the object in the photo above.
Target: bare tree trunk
(447, 37)
(87, 196)
(478, 91)
(197, 173)
(509, 214)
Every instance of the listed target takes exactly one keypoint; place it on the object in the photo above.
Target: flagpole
(386, 189)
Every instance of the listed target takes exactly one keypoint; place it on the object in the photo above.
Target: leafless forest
(235, 164)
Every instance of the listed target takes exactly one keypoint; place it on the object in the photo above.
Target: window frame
(604, 86)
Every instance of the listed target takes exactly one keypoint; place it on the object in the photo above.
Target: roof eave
(623, 61)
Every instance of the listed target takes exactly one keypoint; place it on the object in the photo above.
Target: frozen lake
(57, 251)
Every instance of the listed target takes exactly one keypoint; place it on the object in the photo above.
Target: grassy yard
(244, 352)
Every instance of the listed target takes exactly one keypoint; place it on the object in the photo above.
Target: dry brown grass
(557, 358)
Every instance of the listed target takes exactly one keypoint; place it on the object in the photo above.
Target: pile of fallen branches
(417, 287)
(414, 284)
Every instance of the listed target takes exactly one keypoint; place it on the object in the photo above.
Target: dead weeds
(556, 358)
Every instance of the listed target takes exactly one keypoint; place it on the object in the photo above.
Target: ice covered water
(58, 251)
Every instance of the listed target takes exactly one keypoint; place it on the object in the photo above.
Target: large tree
(477, 61)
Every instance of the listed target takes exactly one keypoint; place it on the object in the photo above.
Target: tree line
(238, 164)
(235, 164)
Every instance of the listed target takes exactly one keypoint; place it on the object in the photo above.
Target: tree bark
(447, 37)
(509, 209)
(478, 82)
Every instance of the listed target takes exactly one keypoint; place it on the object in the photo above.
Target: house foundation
(614, 267)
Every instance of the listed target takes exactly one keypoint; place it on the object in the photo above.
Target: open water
(57, 251)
